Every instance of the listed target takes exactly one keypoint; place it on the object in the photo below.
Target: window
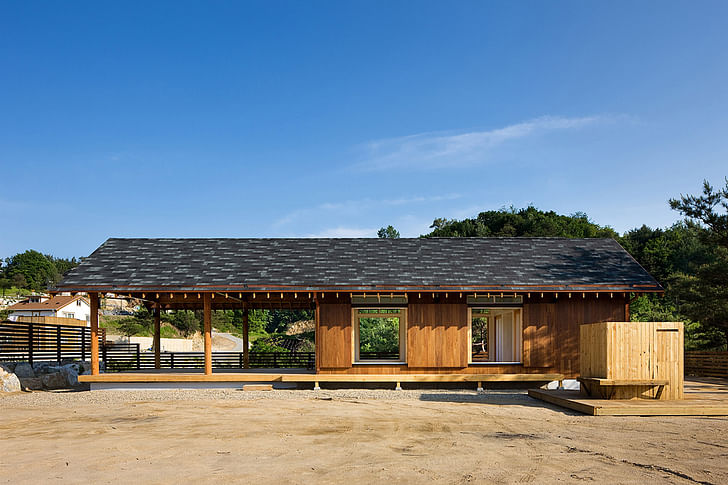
(379, 334)
(78, 302)
(69, 315)
(495, 334)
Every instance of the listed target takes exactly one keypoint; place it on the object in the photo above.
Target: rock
(8, 366)
(46, 368)
(55, 380)
(70, 374)
(23, 369)
(31, 383)
(9, 382)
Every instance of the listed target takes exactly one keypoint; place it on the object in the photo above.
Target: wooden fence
(69, 322)
(706, 364)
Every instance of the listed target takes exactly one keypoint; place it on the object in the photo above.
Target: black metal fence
(31, 342)
(129, 357)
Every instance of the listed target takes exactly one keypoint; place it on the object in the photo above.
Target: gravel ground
(68, 398)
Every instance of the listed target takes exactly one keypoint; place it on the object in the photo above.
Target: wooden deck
(703, 397)
(190, 376)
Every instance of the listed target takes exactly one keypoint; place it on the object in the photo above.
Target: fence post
(240, 357)
(83, 344)
(138, 357)
(275, 360)
(103, 355)
(30, 344)
(58, 344)
(171, 360)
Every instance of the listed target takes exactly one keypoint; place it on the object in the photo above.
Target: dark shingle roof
(316, 263)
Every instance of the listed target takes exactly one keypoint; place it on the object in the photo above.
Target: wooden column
(246, 340)
(94, 298)
(207, 332)
(157, 337)
(316, 336)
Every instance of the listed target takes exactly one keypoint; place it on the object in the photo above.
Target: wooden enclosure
(625, 360)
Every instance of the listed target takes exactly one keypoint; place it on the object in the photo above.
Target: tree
(38, 270)
(63, 265)
(388, 232)
(139, 324)
(704, 294)
(702, 210)
(18, 280)
(527, 222)
(186, 321)
(5, 284)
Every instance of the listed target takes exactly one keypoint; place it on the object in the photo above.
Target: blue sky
(251, 119)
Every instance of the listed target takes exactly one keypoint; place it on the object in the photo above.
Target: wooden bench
(606, 388)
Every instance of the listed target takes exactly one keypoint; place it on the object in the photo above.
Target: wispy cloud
(440, 150)
(345, 232)
(359, 205)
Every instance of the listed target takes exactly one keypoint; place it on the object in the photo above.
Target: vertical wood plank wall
(550, 336)
(334, 340)
(437, 335)
(635, 350)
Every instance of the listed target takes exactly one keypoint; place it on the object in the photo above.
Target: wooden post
(157, 337)
(246, 340)
(316, 334)
(207, 314)
(94, 297)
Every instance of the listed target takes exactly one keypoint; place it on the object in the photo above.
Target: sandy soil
(351, 437)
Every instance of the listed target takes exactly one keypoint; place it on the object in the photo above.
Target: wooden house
(433, 309)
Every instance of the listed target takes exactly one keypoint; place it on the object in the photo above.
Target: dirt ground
(349, 437)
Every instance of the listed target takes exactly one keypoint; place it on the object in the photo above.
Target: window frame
(518, 334)
(356, 346)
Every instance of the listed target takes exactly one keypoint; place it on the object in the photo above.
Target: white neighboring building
(58, 306)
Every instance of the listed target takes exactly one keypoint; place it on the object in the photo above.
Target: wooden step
(258, 387)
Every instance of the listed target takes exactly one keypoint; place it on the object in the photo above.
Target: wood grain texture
(636, 352)
(438, 341)
(300, 377)
(334, 339)
(207, 331)
(437, 335)
(94, 321)
(539, 326)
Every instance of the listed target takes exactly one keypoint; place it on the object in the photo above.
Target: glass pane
(379, 338)
(479, 332)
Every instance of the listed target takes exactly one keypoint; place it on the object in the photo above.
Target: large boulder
(31, 383)
(56, 380)
(9, 382)
(8, 366)
(23, 369)
(70, 374)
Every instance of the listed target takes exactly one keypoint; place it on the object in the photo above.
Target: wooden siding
(634, 351)
(552, 346)
(571, 313)
(539, 327)
(437, 335)
(334, 339)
